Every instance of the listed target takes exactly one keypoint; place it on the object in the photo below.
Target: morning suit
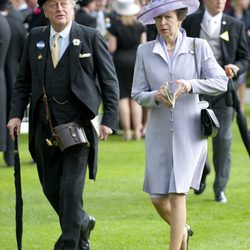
(13, 58)
(84, 18)
(233, 50)
(175, 148)
(4, 44)
(84, 74)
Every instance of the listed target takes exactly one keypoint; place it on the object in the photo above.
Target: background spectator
(125, 34)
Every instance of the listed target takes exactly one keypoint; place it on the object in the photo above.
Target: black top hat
(4, 4)
(84, 3)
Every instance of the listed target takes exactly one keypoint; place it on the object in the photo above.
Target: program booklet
(170, 97)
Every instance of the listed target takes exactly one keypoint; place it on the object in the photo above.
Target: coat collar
(182, 45)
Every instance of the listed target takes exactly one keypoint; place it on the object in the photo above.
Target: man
(83, 15)
(73, 79)
(4, 44)
(13, 57)
(227, 38)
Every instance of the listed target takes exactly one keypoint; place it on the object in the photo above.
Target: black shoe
(221, 197)
(201, 188)
(84, 242)
(189, 233)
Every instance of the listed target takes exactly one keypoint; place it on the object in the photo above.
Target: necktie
(211, 27)
(55, 50)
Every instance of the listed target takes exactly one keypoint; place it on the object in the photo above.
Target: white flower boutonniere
(76, 42)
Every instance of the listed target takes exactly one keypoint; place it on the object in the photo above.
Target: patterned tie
(210, 27)
(55, 50)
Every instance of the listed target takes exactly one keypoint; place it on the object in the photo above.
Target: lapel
(75, 44)
(42, 39)
(157, 49)
(225, 45)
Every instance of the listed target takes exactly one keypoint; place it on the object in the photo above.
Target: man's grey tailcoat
(175, 149)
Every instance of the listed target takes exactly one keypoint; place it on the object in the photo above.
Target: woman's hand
(184, 86)
(160, 96)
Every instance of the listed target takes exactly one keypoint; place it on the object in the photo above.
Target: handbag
(65, 135)
(209, 122)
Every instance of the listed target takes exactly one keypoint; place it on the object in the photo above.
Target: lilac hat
(157, 7)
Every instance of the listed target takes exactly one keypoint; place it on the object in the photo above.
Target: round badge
(40, 44)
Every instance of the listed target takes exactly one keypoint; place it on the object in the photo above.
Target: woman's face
(167, 24)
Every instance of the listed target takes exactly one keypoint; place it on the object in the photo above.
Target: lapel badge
(85, 55)
(225, 36)
(40, 44)
(76, 42)
(40, 56)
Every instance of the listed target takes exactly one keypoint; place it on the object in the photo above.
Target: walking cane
(19, 200)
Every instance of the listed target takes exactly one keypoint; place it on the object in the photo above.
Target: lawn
(125, 218)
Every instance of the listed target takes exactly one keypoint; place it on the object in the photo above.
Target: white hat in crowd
(126, 7)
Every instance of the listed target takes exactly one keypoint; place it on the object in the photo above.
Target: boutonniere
(225, 36)
(76, 42)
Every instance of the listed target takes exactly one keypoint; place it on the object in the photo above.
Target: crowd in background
(116, 20)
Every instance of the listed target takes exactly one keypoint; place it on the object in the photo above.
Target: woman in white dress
(175, 148)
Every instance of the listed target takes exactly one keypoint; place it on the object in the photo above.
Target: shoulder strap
(195, 59)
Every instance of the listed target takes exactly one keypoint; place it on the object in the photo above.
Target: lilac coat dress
(175, 150)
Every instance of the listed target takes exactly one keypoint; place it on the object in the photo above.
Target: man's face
(59, 13)
(214, 7)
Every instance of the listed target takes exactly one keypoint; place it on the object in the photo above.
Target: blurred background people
(227, 38)
(35, 16)
(104, 17)
(83, 14)
(240, 10)
(13, 58)
(125, 34)
(21, 7)
(5, 34)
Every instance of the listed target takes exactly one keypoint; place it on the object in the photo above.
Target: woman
(175, 149)
(125, 34)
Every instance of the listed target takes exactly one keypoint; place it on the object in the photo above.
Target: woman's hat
(157, 7)
(126, 7)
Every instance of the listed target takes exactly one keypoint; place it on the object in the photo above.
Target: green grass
(125, 218)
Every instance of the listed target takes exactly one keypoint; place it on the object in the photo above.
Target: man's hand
(12, 124)
(231, 70)
(105, 132)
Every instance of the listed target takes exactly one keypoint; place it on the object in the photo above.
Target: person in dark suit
(226, 36)
(13, 58)
(4, 44)
(83, 15)
(36, 16)
(74, 80)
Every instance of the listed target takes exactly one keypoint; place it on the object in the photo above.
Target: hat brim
(132, 10)
(153, 9)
